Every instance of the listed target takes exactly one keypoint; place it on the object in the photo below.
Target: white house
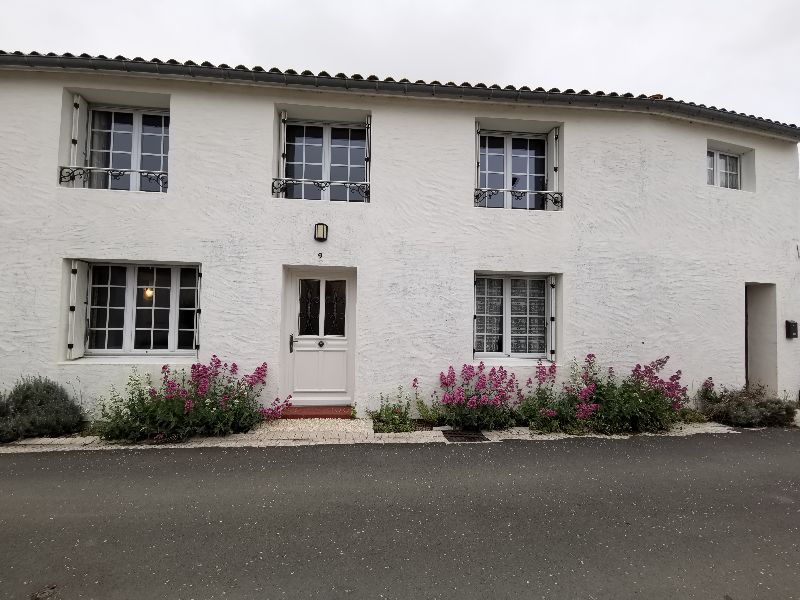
(160, 212)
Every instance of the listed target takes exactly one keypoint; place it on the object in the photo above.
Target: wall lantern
(320, 232)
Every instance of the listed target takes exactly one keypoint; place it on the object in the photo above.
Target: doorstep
(318, 412)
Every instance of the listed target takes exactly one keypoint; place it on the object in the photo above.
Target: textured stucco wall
(653, 260)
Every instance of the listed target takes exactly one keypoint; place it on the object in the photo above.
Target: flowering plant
(394, 414)
(212, 399)
(477, 398)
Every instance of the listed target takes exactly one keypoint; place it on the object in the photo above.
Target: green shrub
(394, 415)
(593, 400)
(211, 400)
(751, 406)
(629, 407)
(691, 415)
(430, 413)
(38, 407)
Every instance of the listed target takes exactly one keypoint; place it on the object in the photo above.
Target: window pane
(144, 318)
(162, 297)
(114, 340)
(122, 142)
(99, 275)
(294, 153)
(536, 345)
(151, 144)
(188, 277)
(142, 340)
(186, 319)
(116, 318)
(163, 277)
(161, 318)
(339, 156)
(145, 276)
(97, 339)
(160, 339)
(313, 155)
(309, 307)
(101, 140)
(152, 124)
(101, 119)
(123, 121)
(495, 143)
(97, 318)
(338, 193)
(335, 303)
(99, 296)
(186, 340)
(118, 275)
(494, 343)
(186, 298)
(358, 137)
(120, 160)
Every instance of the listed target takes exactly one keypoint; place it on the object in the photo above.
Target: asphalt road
(707, 516)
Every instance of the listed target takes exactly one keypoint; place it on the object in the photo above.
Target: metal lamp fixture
(320, 232)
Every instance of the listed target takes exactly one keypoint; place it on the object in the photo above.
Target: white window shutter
(553, 171)
(198, 312)
(551, 329)
(477, 154)
(368, 157)
(80, 131)
(282, 146)
(78, 299)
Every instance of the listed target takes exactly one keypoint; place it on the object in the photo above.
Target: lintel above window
(517, 170)
(323, 161)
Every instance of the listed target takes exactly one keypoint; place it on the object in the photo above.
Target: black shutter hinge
(72, 308)
(75, 105)
(197, 346)
(552, 352)
(366, 159)
(74, 142)
(198, 311)
(552, 319)
(555, 169)
(553, 285)
(70, 346)
(283, 154)
(74, 271)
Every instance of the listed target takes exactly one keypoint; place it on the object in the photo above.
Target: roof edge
(373, 85)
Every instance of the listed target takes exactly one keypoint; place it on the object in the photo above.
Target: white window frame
(549, 316)
(136, 142)
(327, 126)
(129, 323)
(716, 168)
(508, 138)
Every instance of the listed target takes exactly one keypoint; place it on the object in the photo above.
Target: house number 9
(319, 254)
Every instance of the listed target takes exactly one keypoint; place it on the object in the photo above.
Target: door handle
(291, 343)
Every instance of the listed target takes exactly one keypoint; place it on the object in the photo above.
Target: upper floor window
(118, 148)
(723, 170)
(324, 161)
(513, 171)
(128, 149)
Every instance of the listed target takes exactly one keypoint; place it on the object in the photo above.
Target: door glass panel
(309, 307)
(335, 302)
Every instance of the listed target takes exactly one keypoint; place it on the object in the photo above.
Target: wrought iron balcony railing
(70, 174)
(279, 185)
(554, 199)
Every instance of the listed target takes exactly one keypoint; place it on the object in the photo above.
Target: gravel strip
(306, 432)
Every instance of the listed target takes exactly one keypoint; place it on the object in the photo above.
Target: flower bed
(211, 400)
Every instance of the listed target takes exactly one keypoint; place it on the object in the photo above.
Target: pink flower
(188, 405)
(547, 412)
(415, 383)
(584, 410)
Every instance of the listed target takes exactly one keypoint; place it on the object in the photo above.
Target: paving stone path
(305, 432)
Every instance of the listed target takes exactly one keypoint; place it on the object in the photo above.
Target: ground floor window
(141, 308)
(511, 316)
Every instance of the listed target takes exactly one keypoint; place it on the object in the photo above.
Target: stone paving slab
(306, 432)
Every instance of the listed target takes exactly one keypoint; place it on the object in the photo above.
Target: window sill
(133, 359)
(511, 361)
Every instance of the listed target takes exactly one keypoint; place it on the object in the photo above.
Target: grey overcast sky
(737, 54)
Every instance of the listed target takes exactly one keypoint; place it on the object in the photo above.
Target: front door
(321, 337)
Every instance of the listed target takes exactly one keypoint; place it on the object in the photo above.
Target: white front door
(321, 337)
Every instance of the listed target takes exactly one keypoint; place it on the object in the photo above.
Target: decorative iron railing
(555, 199)
(70, 174)
(279, 185)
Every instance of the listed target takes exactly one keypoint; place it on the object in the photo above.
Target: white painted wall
(653, 260)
